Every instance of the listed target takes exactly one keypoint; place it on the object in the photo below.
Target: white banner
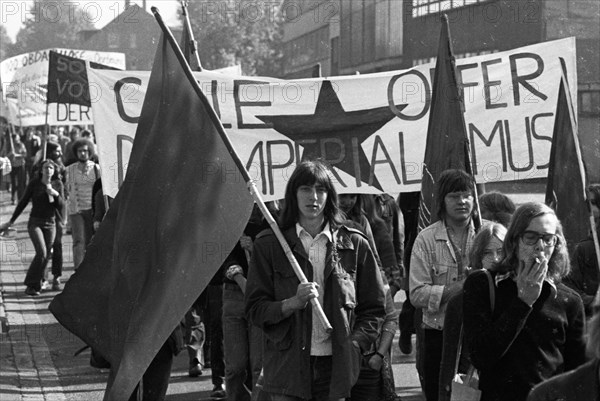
(372, 128)
(25, 78)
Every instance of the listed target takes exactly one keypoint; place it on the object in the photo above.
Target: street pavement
(37, 359)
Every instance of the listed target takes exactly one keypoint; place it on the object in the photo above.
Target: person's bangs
(313, 175)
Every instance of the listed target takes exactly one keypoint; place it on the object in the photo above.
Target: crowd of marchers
(499, 306)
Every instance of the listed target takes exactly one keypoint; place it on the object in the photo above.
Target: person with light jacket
(438, 266)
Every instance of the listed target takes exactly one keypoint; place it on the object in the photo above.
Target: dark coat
(580, 384)
(354, 304)
(584, 276)
(518, 346)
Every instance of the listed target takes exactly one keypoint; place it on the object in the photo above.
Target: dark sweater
(41, 207)
(537, 342)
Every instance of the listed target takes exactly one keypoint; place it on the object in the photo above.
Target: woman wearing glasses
(535, 330)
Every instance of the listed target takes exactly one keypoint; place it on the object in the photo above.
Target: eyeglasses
(532, 237)
(457, 196)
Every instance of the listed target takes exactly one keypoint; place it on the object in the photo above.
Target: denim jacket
(433, 265)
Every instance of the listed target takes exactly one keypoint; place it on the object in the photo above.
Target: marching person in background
(45, 192)
(439, 264)
(409, 320)
(535, 330)
(70, 156)
(80, 178)
(495, 206)
(486, 253)
(351, 206)
(391, 214)
(242, 342)
(584, 276)
(54, 153)
(18, 161)
(302, 361)
(386, 249)
(33, 143)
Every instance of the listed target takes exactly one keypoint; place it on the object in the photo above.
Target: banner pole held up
(251, 186)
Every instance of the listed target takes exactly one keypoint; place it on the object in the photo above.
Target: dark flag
(565, 189)
(447, 144)
(181, 209)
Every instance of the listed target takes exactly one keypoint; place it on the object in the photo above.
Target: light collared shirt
(316, 249)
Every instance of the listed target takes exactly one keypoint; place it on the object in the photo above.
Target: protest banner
(372, 128)
(25, 77)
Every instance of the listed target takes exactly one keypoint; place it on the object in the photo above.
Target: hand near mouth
(530, 279)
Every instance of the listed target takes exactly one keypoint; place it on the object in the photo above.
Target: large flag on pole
(182, 207)
(566, 185)
(447, 143)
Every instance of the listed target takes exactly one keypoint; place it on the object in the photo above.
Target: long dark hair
(482, 240)
(558, 265)
(40, 169)
(310, 173)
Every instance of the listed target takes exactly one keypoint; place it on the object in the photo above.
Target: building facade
(489, 26)
(342, 36)
(350, 36)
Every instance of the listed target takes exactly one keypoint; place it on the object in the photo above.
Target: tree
(5, 44)
(51, 24)
(241, 31)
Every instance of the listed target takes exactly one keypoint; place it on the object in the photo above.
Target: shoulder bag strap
(492, 287)
(458, 351)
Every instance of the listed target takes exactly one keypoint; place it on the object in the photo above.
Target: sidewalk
(36, 355)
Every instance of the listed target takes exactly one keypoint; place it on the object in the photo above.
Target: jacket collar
(343, 241)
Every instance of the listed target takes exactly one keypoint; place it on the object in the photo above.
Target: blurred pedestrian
(46, 195)
(18, 161)
(242, 342)
(585, 275)
(495, 206)
(80, 178)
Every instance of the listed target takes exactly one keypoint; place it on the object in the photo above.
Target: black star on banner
(334, 135)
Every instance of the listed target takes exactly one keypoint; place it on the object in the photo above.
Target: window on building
(307, 50)
(113, 40)
(424, 7)
(426, 60)
(589, 102)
